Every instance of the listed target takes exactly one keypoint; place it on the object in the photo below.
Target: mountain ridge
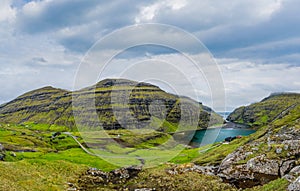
(265, 111)
(49, 105)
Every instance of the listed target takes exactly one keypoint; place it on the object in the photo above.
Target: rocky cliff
(118, 103)
(275, 151)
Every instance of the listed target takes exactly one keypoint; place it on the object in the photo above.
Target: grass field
(40, 158)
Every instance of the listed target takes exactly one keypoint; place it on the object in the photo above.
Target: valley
(43, 146)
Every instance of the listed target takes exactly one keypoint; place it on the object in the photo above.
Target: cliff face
(118, 103)
(269, 109)
(274, 151)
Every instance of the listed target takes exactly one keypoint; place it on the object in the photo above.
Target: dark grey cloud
(76, 24)
(227, 28)
(43, 16)
(39, 60)
(283, 25)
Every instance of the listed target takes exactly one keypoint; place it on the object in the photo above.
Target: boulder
(293, 174)
(286, 167)
(261, 164)
(94, 177)
(295, 186)
(256, 171)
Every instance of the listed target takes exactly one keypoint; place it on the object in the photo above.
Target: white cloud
(7, 13)
(148, 13)
(206, 13)
(247, 82)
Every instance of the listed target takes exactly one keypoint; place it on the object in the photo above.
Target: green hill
(118, 104)
(269, 109)
(35, 156)
(270, 154)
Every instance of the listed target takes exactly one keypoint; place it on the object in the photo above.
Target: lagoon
(209, 136)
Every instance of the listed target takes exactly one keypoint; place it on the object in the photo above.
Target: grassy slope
(60, 160)
(134, 101)
(266, 111)
(282, 120)
(38, 174)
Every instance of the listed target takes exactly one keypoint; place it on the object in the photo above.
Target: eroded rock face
(95, 177)
(295, 186)
(257, 170)
(180, 169)
(294, 178)
(259, 162)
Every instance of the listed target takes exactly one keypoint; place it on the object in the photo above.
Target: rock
(295, 186)
(180, 169)
(262, 165)
(291, 176)
(2, 156)
(295, 171)
(94, 177)
(144, 189)
(293, 146)
(257, 171)
(1, 147)
(13, 154)
(278, 150)
(294, 178)
(286, 167)
(72, 189)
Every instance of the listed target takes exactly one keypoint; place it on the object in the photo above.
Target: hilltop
(119, 104)
(266, 111)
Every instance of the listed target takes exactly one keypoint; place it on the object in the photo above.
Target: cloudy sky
(255, 43)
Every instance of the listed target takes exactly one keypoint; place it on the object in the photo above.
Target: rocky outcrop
(295, 185)
(185, 177)
(256, 171)
(118, 103)
(274, 154)
(294, 178)
(96, 178)
(184, 168)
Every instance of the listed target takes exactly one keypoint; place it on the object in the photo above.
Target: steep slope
(118, 103)
(274, 151)
(269, 109)
(46, 105)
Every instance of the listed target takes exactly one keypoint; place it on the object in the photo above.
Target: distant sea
(224, 114)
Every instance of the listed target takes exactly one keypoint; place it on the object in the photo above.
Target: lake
(204, 137)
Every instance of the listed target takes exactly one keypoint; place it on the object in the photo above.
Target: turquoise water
(204, 137)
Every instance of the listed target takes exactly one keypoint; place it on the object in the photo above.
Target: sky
(256, 44)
